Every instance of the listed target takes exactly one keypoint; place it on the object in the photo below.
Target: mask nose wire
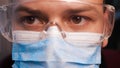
(56, 29)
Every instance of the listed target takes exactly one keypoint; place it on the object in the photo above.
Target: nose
(53, 29)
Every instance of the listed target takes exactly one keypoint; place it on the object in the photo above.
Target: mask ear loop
(109, 18)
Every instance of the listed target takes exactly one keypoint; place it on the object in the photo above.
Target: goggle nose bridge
(51, 24)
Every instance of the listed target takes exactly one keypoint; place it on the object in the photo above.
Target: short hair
(104, 1)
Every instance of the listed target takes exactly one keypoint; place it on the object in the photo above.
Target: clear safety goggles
(73, 16)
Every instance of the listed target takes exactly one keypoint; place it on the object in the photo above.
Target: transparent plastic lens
(39, 16)
(71, 18)
(109, 20)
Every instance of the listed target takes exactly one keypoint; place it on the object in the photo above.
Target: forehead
(94, 3)
(61, 4)
(75, 3)
(87, 1)
(64, 6)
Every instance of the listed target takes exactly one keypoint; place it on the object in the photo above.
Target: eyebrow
(81, 9)
(31, 12)
(90, 12)
(44, 16)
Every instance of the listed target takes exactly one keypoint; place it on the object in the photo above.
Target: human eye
(78, 20)
(30, 20)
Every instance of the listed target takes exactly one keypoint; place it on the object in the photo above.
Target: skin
(57, 16)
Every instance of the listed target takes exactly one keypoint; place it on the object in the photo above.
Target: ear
(105, 42)
(108, 23)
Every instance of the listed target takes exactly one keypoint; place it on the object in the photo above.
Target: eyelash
(32, 20)
(80, 20)
(25, 19)
(72, 19)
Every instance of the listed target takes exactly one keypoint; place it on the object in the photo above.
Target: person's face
(70, 15)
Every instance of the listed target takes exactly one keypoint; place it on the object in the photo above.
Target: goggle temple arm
(109, 19)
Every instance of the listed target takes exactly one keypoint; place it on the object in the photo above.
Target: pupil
(30, 19)
(76, 19)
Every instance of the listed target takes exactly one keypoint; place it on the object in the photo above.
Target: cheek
(16, 26)
(97, 27)
(100, 27)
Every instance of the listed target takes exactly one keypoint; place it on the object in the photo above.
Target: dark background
(114, 40)
(111, 53)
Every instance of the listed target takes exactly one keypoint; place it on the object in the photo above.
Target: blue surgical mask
(77, 50)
